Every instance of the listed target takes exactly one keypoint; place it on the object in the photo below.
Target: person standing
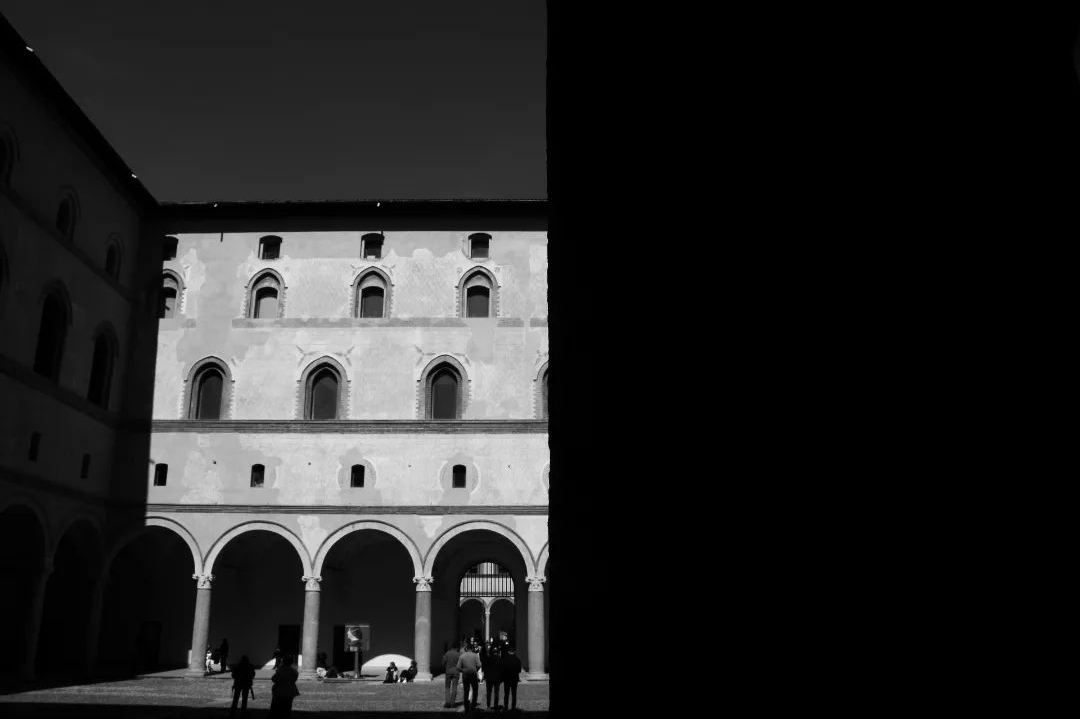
(510, 669)
(243, 675)
(493, 676)
(284, 690)
(449, 661)
(223, 652)
(469, 665)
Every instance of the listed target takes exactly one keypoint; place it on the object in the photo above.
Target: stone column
(33, 621)
(422, 638)
(536, 629)
(310, 637)
(487, 621)
(200, 631)
(93, 626)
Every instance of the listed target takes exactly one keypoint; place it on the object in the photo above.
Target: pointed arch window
(444, 392)
(101, 369)
(170, 297)
(372, 296)
(209, 389)
(478, 296)
(265, 299)
(52, 332)
(323, 394)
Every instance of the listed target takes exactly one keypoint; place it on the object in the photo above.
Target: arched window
(66, 216)
(170, 297)
(270, 247)
(479, 245)
(371, 244)
(112, 259)
(544, 395)
(371, 295)
(444, 394)
(357, 477)
(209, 387)
(51, 335)
(168, 249)
(478, 296)
(101, 369)
(459, 477)
(258, 474)
(265, 299)
(322, 394)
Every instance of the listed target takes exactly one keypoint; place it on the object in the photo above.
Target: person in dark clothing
(510, 671)
(407, 675)
(493, 676)
(284, 690)
(243, 675)
(391, 674)
(452, 675)
(223, 652)
(277, 658)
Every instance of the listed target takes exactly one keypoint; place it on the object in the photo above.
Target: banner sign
(358, 637)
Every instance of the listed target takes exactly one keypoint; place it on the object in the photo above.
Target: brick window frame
(304, 385)
(265, 277)
(538, 391)
(191, 386)
(388, 290)
(466, 281)
(423, 386)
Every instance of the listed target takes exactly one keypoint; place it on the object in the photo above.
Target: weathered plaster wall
(382, 357)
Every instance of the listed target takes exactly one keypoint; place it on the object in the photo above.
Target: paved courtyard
(207, 698)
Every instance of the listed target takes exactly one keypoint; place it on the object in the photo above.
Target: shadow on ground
(26, 710)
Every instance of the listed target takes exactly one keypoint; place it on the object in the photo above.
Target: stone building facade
(333, 468)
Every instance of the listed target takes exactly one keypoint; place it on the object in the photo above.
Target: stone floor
(206, 698)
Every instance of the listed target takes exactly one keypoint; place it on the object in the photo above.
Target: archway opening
(66, 618)
(367, 579)
(489, 583)
(258, 598)
(22, 554)
(454, 560)
(149, 605)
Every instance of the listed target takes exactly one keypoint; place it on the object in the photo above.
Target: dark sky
(311, 100)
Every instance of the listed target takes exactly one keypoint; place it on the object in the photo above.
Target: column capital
(203, 581)
(536, 584)
(311, 584)
(423, 584)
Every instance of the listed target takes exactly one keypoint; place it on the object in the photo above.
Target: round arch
(223, 540)
(479, 524)
(165, 523)
(329, 542)
(541, 560)
(28, 501)
(69, 521)
(59, 289)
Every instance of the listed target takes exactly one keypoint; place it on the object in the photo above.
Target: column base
(536, 676)
(195, 672)
(308, 675)
(422, 677)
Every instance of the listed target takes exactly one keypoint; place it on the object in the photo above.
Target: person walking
(243, 675)
(449, 661)
(510, 669)
(284, 689)
(469, 665)
(493, 676)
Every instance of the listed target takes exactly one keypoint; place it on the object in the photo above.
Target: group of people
(495, 661)
(395, 677)
(283, 686)
(219, 655)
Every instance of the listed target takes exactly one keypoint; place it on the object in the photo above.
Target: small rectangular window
(270, 248)
(372, 247)
(479, 248)
(459, 476)
(257, 475)
(35, 443)
(357, 475)
(161, 475)
(85, 472)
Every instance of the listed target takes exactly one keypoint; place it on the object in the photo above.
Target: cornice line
(351, 426)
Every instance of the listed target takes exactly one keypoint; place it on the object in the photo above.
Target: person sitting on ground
(409, 674)
(391, 674)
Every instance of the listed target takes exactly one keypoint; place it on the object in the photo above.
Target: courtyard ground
(169, 697)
